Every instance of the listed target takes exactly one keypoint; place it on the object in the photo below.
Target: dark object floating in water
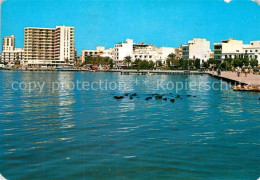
(194, 96)
(178, 96)
(188, 95)
(126, 94)
(134, 94)
(118, 97)
(159, 96)
(131, 97)
(172, 100)
(259, 99)
(148, 98)
(165, 99)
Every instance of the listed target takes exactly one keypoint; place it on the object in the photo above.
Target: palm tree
(128, 60)
(172, 59)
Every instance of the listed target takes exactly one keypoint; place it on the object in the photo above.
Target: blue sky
(161, 22)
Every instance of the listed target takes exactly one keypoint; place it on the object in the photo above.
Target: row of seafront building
(195, 49)
(56, 47)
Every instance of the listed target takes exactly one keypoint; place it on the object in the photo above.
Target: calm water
(86, 134)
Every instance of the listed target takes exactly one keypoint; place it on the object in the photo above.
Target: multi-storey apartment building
(252, 50)
(230, 48)
(185, 51)
(196, 49)
(9, 43)
(236, 49)
(122, 50)
(10, 54)
(144, 51)
(49, 47)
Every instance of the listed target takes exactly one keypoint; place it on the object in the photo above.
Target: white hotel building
(196, 49)
(49, 46)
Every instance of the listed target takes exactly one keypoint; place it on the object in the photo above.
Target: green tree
(224, 65)
(172, 60)
(136, 63)
(181, 62)
(128, 60)
(253, 62)
(205, 65)
(197, 63)
(111, 63)
(237, 63)
(151, 64)
(159, 63)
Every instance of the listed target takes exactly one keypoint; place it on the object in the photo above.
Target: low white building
(100, 51)
(141, 51)
(196, 49)
(252, 50)
(163, 53)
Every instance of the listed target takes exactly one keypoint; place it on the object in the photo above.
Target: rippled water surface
(86, 134)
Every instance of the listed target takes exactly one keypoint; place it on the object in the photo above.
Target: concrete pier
(157, 72)
(251, 79)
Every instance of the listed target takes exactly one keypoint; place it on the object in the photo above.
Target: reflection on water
(78, 134)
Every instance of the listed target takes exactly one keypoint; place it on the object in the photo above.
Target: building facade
(163, 53)
(141, 51)
(252, 50)
(49, 47)
(10, 54)
(144, 52)
(228, 49)
(196, 49)
(100, 51)
(232, 49)
(122, 50)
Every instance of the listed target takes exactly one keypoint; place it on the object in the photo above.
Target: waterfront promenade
(251, 79)
(158, 72)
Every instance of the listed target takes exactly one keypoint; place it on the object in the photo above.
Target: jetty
(251, 79)
(251, 82)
